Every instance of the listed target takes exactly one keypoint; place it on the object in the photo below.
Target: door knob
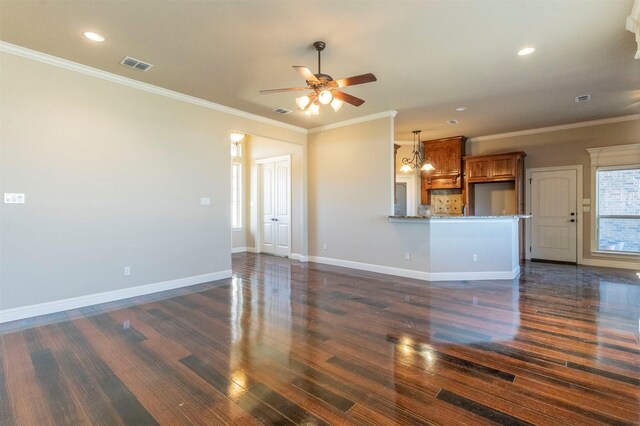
(573, 214)
(572, 220)
(276, 219)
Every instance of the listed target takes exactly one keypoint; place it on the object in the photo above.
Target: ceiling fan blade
(356, 79)
(350, 99)
(306, 74)
(288, 89)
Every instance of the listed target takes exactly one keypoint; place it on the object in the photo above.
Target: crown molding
(616, 155)
(353, 121)
(577, 125)
(94, 72)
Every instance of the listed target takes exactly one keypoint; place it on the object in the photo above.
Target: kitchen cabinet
(493, 168)
(445, 155)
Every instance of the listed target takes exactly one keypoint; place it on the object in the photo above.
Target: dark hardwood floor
(284, 342)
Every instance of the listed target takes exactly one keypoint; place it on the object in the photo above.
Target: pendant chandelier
(417, 161)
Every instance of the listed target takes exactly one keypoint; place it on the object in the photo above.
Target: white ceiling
(429, 56)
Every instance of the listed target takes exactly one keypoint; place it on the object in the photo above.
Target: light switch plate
(205, 201)
(586, 201)
(12, 198)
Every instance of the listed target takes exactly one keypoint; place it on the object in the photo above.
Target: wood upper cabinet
(493, 168)
(446, 157)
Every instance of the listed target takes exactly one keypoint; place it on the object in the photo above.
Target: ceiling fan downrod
(319, 46)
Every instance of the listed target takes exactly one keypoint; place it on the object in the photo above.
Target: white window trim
(609, 158)
(240, 193)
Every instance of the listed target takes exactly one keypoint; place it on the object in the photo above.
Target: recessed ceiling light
(526, 51)
(461, 109)
(93, 36)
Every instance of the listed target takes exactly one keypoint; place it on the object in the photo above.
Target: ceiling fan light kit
(324, 89)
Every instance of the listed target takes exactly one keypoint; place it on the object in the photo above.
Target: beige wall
(113, 176)
(260, 148)
(563, 148)
(350, 173)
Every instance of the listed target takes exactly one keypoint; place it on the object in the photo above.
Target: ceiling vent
(135, 64)
(282, 111)
(583, 98)
(452, 122)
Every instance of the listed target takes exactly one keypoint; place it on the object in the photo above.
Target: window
(236, 195)
(618, 209)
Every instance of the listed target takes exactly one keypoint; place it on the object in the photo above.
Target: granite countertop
(521, 216)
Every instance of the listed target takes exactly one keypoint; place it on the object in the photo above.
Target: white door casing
(267, 223)
(555, 216)
(413, 195)
(275, 205)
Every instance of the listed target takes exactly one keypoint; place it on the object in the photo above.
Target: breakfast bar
(468, 247)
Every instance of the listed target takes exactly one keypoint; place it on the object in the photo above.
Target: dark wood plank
(477, 408)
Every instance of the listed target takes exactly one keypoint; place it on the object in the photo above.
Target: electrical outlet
(475, 257)
(127, 271)
(407, 256)
(324, 246)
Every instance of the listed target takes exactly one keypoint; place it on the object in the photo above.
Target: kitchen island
(468, 247)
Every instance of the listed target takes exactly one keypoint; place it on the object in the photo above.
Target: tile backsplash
(450, 204)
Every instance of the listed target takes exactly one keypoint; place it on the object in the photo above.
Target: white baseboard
(611, 264)
(243, 250)
(475, 276)
(419, 275)
(29, 311)
(298, 256)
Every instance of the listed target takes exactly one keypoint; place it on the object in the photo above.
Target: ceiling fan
(325, 90)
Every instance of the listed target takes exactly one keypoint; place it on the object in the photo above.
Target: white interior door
(554, 215)
(282, 208)
(275, 199)
(268, 226)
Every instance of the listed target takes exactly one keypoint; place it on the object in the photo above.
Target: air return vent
(135, 64)
(583, 98)
(282, 111)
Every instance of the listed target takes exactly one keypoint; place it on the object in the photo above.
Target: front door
(554, 215)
